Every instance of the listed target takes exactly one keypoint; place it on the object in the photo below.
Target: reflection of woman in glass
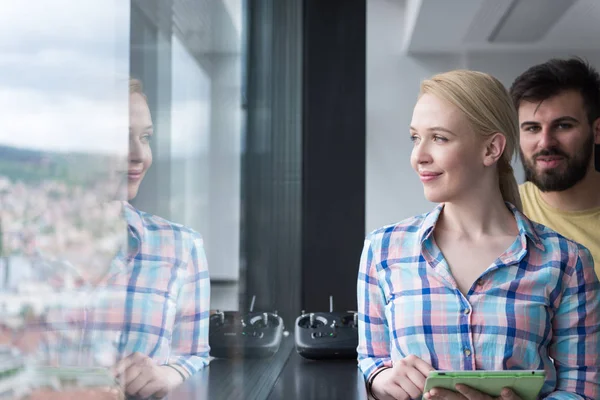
(165, 318)
(474, 284)
(143, 312)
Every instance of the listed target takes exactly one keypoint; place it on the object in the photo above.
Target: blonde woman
(474, 284)
(147, 317)
(165, 314)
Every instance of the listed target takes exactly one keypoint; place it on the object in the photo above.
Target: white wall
(393, 190)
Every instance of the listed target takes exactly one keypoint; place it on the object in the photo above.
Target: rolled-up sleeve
(575, 347)
(189, 346)
(373, 336)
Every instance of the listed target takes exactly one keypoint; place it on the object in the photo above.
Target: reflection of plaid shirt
(539, 301)
(154, 300)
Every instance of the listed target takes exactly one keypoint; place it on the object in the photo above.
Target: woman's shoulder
(406, 230)
(554, 248)
(547, 237)
(152, 224)
(165, 243)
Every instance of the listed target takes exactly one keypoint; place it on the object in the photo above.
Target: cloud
(63, 75)
(40, 23)
(63, 122)
(59, 70)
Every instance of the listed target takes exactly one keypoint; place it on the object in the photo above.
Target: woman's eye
(439, 139)
(414, 138)
(146, 138)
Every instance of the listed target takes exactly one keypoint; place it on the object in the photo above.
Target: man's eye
(146, 138)
(564, 126)
(532, 129)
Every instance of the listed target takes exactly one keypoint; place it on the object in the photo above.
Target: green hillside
(32, 166)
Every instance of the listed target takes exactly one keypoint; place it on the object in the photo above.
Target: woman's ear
(494, 147)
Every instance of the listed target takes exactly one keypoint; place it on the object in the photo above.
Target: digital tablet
(526, 384)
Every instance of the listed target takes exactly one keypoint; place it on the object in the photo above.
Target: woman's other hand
(404, 381)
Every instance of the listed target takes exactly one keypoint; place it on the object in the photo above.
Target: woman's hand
(405, 381)
(468, 393)
(142, 378)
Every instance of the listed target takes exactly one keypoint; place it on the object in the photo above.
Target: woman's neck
(478, 215)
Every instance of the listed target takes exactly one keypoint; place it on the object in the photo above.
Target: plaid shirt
(537, 303)
(154, 300)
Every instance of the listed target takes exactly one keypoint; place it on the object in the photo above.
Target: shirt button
(467, 352)
(467, 311)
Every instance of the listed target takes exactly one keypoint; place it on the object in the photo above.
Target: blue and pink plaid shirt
(536, 307)
(155, 300)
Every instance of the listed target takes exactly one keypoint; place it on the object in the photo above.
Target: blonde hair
(489, 109)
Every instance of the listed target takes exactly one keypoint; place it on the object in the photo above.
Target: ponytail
(508, 183)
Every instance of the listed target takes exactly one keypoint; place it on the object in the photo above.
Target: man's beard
(555, 180)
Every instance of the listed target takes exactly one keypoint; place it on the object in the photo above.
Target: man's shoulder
(527, 189)
(529, 198)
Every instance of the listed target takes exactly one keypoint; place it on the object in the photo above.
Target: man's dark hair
(546, 80)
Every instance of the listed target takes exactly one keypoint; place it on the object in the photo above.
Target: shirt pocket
(156, 291)
(516, 330)
(420, 319)
(146, 302)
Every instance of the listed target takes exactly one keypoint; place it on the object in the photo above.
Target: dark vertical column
(333, 175)
(271, 189)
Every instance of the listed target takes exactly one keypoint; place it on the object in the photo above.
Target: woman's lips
(134, 176)
(428, 177)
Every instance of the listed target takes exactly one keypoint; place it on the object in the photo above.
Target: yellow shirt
(580, 226)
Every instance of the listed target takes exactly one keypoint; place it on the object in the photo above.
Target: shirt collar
(429, 222)
(135, 227)
(525, 226)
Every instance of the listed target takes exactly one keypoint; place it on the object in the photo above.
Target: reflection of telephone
(327, 335)
(251, 335)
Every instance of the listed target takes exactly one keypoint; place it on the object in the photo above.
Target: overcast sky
(63, 74)
(64, 78)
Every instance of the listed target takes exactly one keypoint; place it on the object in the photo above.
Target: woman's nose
(135, 150)
(421, 154)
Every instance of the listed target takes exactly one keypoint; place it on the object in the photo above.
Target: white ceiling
(458, 26)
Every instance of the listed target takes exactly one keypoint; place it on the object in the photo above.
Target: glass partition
(123, 180)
